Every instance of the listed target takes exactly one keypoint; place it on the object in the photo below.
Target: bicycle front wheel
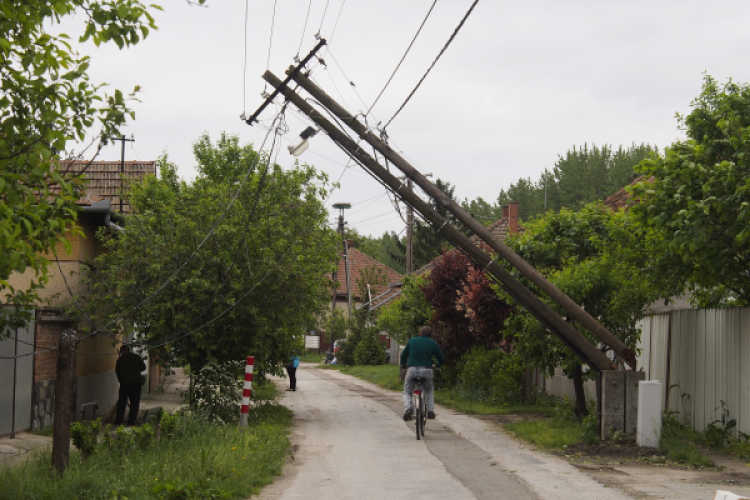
(423, 413)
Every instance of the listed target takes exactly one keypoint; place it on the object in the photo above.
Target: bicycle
(420, 409)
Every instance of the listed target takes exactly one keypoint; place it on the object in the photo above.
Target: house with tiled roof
(621, 199)
(501, 228)
(95, 377)
(385, 281)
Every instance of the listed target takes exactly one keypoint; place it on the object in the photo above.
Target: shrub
(369, 350)
(85, 437)
(218, 391)
(345, 356)
(491, 374)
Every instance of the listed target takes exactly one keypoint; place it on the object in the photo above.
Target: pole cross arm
(584, 349)
(292, 73)
(574, 310)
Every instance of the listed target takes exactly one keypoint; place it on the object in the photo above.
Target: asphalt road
(349, 441)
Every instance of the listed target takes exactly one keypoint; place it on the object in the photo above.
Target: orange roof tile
(359, 261)
(105, 177)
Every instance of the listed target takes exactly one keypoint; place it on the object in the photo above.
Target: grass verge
(551, 434)
(200, 461)
(313, 357)
(386, 376)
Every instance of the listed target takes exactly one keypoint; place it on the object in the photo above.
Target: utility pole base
(619, 401)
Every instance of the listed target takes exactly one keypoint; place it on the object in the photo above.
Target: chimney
(505, 211)
(512, 217)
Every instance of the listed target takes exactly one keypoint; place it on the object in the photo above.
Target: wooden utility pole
(541, 311)
(575, 311)
(64, 400)
(409, 234)
(122, 165)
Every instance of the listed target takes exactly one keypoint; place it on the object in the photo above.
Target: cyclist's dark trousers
(292, 371)
(133, 393)
(428, 385)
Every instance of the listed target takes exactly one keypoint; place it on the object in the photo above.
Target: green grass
(552, 434)
(457, 400)
(200, 461)
(265, 391)
(313, 357)
(385, 376)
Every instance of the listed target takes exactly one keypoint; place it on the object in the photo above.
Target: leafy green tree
(250, 287)
(403, 318)
(697, 197)
(47, 103)
(595, 257)
(583, 175)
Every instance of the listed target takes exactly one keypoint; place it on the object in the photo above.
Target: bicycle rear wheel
(417, 419)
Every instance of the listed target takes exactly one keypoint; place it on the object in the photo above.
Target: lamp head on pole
(300, 147)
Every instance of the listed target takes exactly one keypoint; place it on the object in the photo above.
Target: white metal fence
(705, 355)
(16, 380)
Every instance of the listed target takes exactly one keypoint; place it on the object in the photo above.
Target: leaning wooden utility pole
(584, 349)
(64, 399)
(575, 311)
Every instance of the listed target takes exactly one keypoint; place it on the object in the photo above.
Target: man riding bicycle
(418, 355)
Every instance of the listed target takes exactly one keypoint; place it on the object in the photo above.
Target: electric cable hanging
(455, 32)
(403, 57)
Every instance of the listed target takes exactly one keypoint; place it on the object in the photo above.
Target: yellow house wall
(96, 354)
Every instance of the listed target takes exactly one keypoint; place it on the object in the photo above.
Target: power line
(322, 19)
(336, 24)
(455, 32)
(270, 38)
(403, 57)
(244, 65)
(304, 29)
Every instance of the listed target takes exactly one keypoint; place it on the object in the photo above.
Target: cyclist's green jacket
(420, 351)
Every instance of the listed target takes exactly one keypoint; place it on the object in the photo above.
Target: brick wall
(49, 326)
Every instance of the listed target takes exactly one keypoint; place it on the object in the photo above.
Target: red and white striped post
(247, 390)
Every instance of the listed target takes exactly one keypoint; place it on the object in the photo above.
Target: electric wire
(304, 29)
(455, 32)
(403, 57)
(244, 64)
(270, 40)
(320, 28)
(336, 24)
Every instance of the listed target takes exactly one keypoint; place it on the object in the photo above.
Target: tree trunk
(529, 392)
(64, 400)
(577, 376)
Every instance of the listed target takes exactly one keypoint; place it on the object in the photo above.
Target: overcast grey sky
(522, 83)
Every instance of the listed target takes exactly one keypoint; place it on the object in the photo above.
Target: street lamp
(303, 144)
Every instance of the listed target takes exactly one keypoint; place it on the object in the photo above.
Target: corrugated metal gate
(16, 373)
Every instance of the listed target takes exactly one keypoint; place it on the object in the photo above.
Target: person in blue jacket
(291, 369)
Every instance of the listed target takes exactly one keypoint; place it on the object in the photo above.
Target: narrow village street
(350, 441)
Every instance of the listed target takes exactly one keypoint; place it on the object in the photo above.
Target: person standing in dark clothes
(128, 370)
(291, 369)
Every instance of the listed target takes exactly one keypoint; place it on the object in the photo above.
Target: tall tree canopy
(583, 175)
(257, 281)
(597, 258)
(47, 103)
(697, 196)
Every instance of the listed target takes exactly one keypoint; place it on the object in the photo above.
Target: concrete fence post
(247, 390)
